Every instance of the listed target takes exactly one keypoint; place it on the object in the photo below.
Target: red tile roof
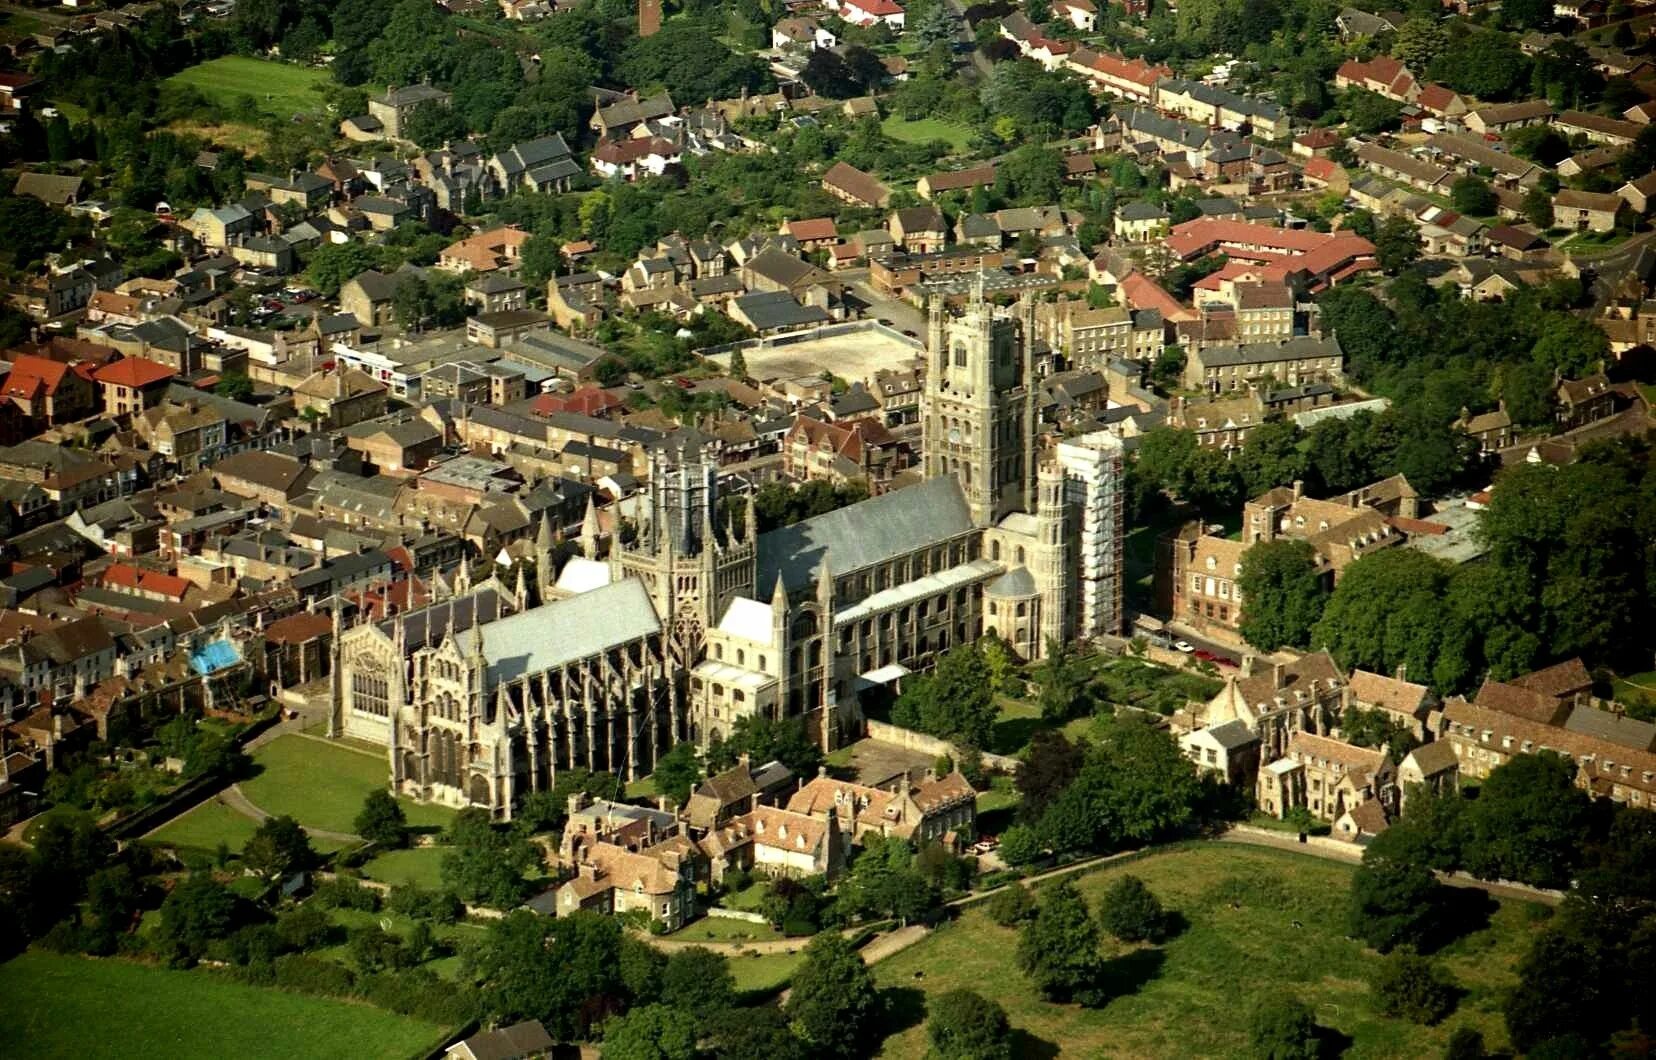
(136, 372)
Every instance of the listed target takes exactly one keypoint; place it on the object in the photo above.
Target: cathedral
(696, 621)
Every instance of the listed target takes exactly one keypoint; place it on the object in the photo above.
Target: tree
(1538, 208)
(1131, 913)
(688, 61)
(1466, 1043)
(698, 981)
(1271, 456)
(754, 1033)
(1396, 245)
(234, 385)
(1408, 986)
(198, 910)
(1135, 786)
(953, 702)
(1419, 41)
(1021, 844)
(277, 849)
(737, 369)
(381, 820)
(1529, 821)
(1393, 903)
(1284, 591)
(884, 882)
(333, 264)
(964, 1025)
(1472, 195)
(1386, 612)
(654, 1032)
(564, 971)
(1058, 949)
(1062, 682)
(677, 772)
(834, 1006)
(485, 864)
(1283, 1028)
(763, 740)
(1559, 992)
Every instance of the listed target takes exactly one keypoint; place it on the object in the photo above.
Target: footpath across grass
(322, 784)
(1258, 923)
(79, 1006)
(280, 90)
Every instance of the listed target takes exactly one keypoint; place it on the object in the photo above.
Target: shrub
(313, 975)
(1131, 913)
(1283, 1029)
(1408, 986)
(1011, 905)
(346, 893)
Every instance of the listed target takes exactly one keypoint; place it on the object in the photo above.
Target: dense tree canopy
(1284, 591)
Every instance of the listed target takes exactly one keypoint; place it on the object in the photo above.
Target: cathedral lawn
(203, 828)
(79, 1006)
(322, 784)
(1192, 996)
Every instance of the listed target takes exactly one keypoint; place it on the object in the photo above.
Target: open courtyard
(854, 356)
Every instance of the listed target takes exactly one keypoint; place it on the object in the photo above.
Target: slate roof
(873, 531)
(561, 632)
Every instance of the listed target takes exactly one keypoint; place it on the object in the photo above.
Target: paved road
(977, 65)
(1219, 648)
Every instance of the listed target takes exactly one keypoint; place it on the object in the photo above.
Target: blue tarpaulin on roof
(210, 658)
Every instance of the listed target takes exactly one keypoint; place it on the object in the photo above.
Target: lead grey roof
(873, 531)
(1013, 584)
(1232, 734)
(545, 637)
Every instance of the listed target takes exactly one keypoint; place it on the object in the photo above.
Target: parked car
(1184, 646)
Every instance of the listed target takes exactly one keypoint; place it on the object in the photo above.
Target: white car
(1184, 646)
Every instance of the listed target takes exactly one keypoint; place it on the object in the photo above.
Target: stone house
(1327, 777)
(1229, 750)
(940, 809)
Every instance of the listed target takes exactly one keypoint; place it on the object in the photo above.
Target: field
(855, 356)
(281, 90)
(82, 1007)
(1240, 943)
(323, 784)
(923, 130)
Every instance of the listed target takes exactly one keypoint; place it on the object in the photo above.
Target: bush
(313, 975)
(1408, 986)
(1467, 1043)
(412, 900)
(1011, 905)
(1283, 1029)
(1131, 913)
(304, 928)
(346, 893)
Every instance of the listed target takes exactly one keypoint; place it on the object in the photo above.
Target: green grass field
(281, 90)
(82, 1007)
(1193, 995)
(323, 784)
(421, 865)
(927, 129)
(764, 972)
(454, 937)
(203, 828)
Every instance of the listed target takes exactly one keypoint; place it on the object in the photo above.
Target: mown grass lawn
(280, 90)
(322, 784)
(923, 130)
(78, 1006)
(718, 929)
(420, 865)
(1192, 996)
(202, 829)
(764, 972)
